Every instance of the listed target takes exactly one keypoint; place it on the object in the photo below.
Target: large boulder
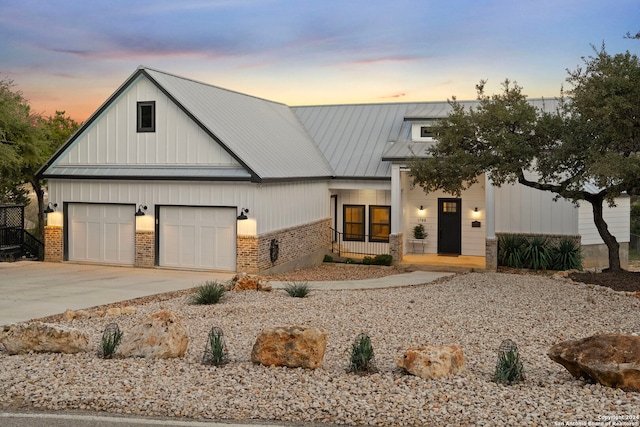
(21, 338)
(609, 359)
(291, 346)
(432, 361)
(161, 336)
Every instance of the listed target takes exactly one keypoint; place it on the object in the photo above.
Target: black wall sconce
(50, 208)
(421, 207)
(141, 210)
(475, 209)
(243, 214)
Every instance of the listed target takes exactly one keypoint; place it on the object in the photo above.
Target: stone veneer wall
(396, 244)
(145, 249)
(53, 251)
(491, 254)
(298, 246)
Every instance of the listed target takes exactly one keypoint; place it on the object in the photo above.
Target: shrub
(215, 351)
(537, 254)
(383, 259)
(209, 293)
(509, 369)
(419, 232)
(110, 340)
(367, 260)
(362, 357)
(297, 289)
(566, 255)
(510, 253)
(327, 258)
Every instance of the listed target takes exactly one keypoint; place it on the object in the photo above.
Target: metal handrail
(363, 246)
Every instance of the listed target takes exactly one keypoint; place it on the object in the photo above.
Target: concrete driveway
(31, 289)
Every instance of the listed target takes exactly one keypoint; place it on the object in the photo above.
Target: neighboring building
(160, 173)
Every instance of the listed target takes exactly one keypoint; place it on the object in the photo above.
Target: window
(450, 207)
(379, 223)
(146, 121)
(425, 132)
(354, 222)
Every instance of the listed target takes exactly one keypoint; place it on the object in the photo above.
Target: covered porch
(443, 262)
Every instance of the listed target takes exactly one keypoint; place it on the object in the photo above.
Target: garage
(102, 233)
(197, 237)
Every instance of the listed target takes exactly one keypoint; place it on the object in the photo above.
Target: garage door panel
(102, 233)
(198, 237)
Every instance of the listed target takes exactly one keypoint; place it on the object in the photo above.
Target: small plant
(419, 232)
(368, 260)
(509, 369)
(297, 289)
(327, 258)
(566, 255)
(215, 351)
(110, 340)
(209, 293)
(349, 261)
(537, 254)
(510, 251)
(362, 357)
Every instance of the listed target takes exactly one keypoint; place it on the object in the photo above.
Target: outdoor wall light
(243, 214)
(475, 209)
(141, 210)
(421, 207)
(51, 207)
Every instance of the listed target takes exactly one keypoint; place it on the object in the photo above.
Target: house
(165, 172)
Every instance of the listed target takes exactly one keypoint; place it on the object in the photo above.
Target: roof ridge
(145, 68)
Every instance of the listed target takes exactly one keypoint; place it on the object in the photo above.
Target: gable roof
(265, 137)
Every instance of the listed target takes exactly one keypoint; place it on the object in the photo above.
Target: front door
(449, 226)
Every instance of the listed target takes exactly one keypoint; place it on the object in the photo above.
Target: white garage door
(198, 237)
(102, 233)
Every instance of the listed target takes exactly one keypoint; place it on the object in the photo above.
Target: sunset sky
(71, 55)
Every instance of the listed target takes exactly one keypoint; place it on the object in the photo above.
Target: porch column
(491, 243)
(396, 200)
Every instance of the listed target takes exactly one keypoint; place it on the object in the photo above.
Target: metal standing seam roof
(264, 135)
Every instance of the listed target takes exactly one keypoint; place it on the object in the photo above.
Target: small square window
(449, 207)
(146, 119)
(425, 132)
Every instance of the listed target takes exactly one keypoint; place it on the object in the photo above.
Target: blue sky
(71, 55)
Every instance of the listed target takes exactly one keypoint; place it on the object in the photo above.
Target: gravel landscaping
(475, 310)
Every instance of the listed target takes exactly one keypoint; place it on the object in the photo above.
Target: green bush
(537, 253)
(367, 260)
(297, 289)
(383, 259)
(362, 357)
(209, 293)
(510, 250)
(327, 258)
(566, 255)
(111, 338)
(509, 369)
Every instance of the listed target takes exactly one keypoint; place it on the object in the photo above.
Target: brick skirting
(53, 250)
(145, 249)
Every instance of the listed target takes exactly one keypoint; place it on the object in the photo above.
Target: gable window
(379, 223)
(146, 116)
(425, 132)
(353, 222)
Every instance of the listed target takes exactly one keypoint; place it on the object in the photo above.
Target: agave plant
(537, 254)
(510, 250)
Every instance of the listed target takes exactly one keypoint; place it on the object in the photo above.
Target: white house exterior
(159, 174)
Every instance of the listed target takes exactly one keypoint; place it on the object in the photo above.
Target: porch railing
(363, 246)
(15, 242)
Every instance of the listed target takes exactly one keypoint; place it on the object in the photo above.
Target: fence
(362, 246)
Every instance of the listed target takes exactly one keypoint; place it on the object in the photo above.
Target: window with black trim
(425, 132)
(353, 219)
(146, 120)
(379, 223)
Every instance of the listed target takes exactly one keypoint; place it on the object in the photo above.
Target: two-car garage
(193, 237)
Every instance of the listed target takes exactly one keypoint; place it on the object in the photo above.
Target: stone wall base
(396, 243)
(491, 254)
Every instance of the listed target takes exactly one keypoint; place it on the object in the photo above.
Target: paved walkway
(32, 289)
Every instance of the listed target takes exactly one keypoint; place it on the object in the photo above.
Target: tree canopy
(592, 140)
(27, 140)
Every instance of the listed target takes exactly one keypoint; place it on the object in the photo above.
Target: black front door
(449, 226)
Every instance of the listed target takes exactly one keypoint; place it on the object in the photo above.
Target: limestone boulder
(21, 338)
(245, 282)
(612, 360)
(161, 336)
(291, 346)
(432, 361)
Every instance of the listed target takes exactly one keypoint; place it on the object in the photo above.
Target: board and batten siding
(617, 218)
(274, 206)
(473, 238)
(521, 209)
(112, 138)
